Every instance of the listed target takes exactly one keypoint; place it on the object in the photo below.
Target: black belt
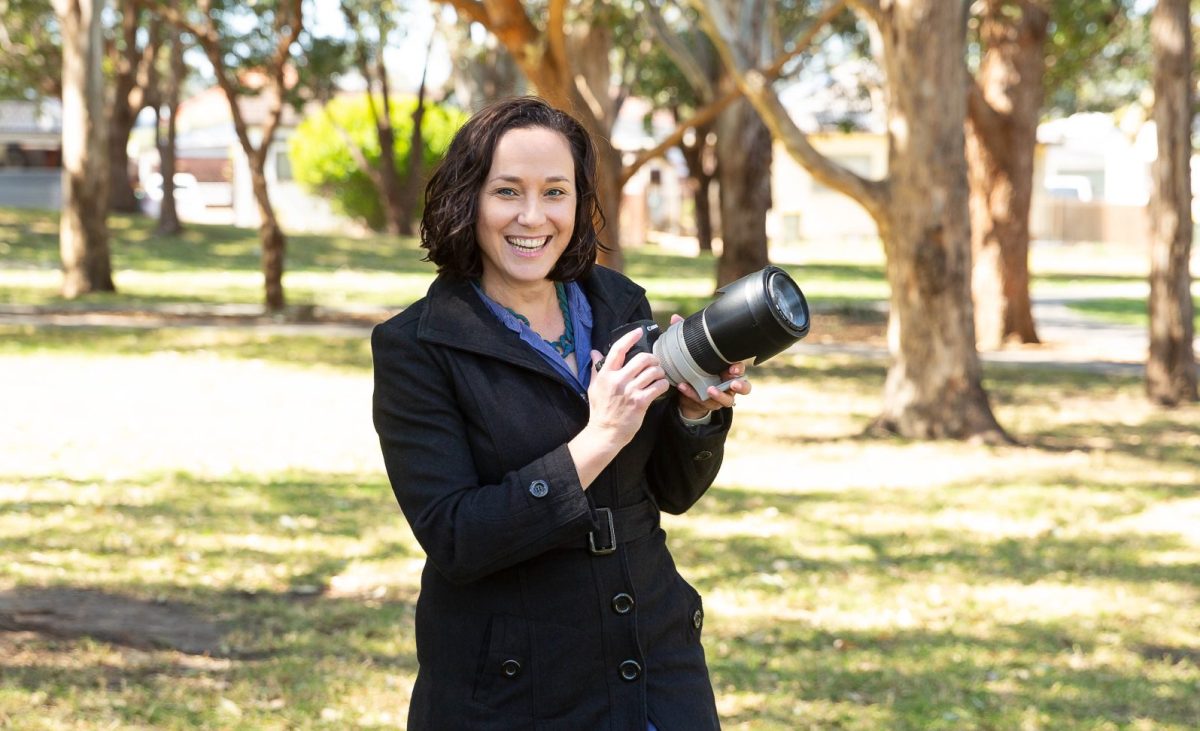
(621, 526)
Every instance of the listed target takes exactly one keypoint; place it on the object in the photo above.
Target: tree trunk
(1004, 107)
(168, 214)
(274, 243)
(390, 192)
(410, 190)
(934, 384)
(83, 231)
(744, 174)
(1171, 367)
(693, 156)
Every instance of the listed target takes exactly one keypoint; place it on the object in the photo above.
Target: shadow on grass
(264, 647)
(925, 679)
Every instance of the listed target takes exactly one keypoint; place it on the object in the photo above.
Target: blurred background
(968, 499)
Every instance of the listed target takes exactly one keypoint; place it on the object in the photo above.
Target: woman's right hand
(621, 391)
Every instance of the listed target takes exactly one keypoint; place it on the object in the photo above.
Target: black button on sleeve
(702, 455)
(622, 603)
(539, 488)
(698, 619)
(510, 668)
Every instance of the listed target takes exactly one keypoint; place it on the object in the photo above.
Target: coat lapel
(455, 317)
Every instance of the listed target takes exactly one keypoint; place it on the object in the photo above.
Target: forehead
(533, 152)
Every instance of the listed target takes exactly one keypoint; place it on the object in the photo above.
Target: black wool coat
(520, 624)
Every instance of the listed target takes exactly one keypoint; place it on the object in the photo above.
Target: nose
(531, 213)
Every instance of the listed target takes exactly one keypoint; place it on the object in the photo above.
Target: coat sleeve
(686, 459)
(468, 529)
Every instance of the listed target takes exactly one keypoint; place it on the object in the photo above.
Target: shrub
(321, 159)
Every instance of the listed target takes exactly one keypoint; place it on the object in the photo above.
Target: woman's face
(526, 208)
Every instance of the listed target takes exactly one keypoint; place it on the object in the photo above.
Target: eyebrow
(516, 179)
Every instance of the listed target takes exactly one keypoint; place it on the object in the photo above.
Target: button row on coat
(539, 488)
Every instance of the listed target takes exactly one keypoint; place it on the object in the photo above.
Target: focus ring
(695, 340)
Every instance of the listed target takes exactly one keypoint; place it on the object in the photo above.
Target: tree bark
(744, 156)
(934, 383)
(1171, 366)
(83, 230)
(744, 175)
(1004, 105)
(123, 109)
(694, 155)
(168, 214)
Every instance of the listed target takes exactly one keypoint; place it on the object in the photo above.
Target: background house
(31, 153)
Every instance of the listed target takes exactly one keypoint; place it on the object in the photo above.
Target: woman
(532, 469)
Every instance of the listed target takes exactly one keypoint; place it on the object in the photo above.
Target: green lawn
(227, 483)
(1126, 310)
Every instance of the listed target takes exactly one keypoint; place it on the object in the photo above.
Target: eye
(556, 193)
(507, 192)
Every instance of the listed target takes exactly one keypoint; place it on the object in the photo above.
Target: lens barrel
(758, 316)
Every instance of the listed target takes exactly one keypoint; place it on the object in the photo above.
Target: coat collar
(455, 317)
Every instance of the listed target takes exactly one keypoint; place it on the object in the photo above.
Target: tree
(676, 71)
(262, 57)
(168, 215)
(133, 57)
(1171, 368)
(30, 45)
(1004, 104)
(83, 231)
(370, 25)
(331, 151)
(1029, 49)
(934, 383)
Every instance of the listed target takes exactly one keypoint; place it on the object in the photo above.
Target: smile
(527, 245)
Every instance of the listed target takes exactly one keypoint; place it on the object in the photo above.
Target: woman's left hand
(694, 406)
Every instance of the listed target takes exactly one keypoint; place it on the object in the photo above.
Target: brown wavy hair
(452, 195)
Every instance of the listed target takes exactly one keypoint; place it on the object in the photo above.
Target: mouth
(527, 246)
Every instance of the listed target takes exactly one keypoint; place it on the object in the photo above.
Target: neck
(535, 300)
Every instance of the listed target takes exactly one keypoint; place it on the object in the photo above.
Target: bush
(322, 163)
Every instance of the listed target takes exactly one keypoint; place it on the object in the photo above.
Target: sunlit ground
(850, 582)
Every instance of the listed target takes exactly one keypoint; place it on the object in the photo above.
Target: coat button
(630, 670)
(698, 619)
(510, 668)
(622, 603)
(539, 488)
(702, 455)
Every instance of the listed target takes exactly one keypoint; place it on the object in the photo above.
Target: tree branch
(756, 85)
(709, 112)
(473, 10)
(680, 54)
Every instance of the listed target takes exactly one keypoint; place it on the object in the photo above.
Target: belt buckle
(612, 535)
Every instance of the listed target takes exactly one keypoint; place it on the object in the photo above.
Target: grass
(850, 582)
(228, 480)
(1126, 310)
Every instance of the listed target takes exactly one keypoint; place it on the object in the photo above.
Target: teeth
(523, 243)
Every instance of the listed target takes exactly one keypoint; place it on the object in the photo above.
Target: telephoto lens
(758, 316)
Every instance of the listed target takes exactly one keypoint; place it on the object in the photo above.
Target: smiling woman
(532, 471)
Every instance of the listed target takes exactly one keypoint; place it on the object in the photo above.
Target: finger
(676, 318)
(723, 399)
(649, 377)
(597, 360)
(616, 354)
(640, 362)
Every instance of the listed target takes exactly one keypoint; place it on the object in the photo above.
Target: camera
(758, 316)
